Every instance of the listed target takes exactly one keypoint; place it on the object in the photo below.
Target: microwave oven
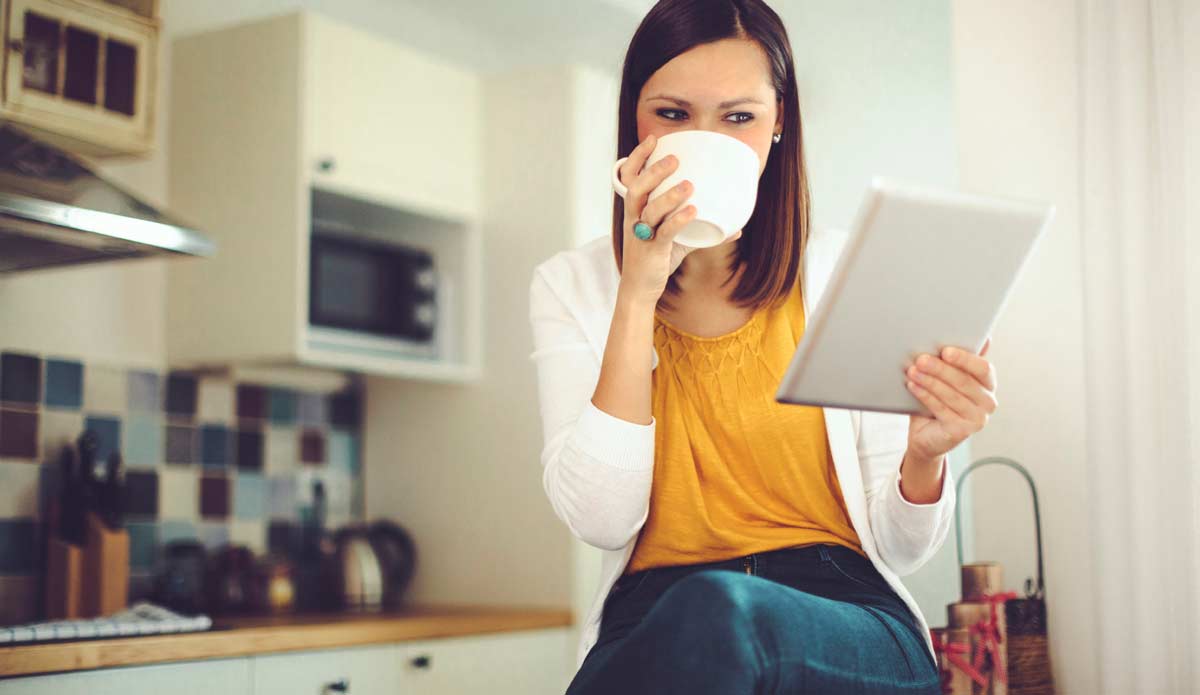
(373, 296)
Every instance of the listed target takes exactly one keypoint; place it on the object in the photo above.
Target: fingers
(975, 365)
(645, 182)
(671, 226)
(964, 385)
(629, 170)
(657, 209)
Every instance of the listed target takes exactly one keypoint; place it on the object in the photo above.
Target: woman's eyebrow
(722, 105)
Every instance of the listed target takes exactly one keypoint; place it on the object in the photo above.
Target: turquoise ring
(643, 231)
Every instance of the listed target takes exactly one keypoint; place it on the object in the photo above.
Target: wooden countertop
(231, 637)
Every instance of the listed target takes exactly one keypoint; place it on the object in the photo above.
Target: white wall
(1017, 119)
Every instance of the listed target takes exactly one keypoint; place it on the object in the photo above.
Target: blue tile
(64, 384)
(180, 397)
(180, 444)
(19, 546)
(343, 451)
(312, 409)
(214, 445)
(250, 497)
(140, 497)
(109, 431)
(281, 498)
(281, 405)
(143, 441)
(175, 530)
(143, 545)
(145, 392)
(20, 378)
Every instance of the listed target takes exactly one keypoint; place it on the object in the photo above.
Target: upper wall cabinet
(81, 73)
(339, 175)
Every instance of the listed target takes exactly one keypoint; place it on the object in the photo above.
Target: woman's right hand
(646, 264)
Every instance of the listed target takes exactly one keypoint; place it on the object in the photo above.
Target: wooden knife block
(105, 569)
(64, 580)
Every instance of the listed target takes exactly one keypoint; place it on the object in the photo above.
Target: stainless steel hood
(55, 211)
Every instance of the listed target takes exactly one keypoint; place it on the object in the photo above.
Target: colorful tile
(345, 409)
(18, 434)
(141, 494)
(58, 428)
(312, 446)
(250, 496)
(178, 494)
(281, 498)
(143, 545)
(312, 409)
(175, 530)
(108, 430)
(281, 406)
(64, 384)
(249, 450)
(20, 489)
(214, 497)
(282, 450)
(215, 401)
(20, 378)
(251, 401)
(343, 451)
(144, 392)
(105, 390)
(180, 395)
(19, 546)
(143, 441)
(215, 446)
(180, 444)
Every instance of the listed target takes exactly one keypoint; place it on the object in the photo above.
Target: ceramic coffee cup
(724, 175)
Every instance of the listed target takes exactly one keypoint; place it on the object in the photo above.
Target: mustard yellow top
(735, 472)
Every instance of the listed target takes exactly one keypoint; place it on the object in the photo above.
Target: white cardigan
(597, 468)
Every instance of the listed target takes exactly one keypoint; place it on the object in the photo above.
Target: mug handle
(616, 178)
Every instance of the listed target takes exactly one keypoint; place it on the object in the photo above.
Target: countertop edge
(249, 636)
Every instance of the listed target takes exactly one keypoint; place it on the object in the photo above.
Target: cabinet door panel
(390, 123)
(363, 671)
(529, 662)
(223, 676)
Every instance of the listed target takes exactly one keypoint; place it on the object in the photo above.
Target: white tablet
(922, 269)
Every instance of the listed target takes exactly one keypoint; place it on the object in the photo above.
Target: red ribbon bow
(954, 652)
(989, 636)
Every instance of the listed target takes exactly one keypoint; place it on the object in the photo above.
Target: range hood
(55, 211)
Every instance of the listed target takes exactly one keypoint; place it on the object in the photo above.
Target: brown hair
(774, 238)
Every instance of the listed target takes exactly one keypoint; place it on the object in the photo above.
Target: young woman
(749, 546)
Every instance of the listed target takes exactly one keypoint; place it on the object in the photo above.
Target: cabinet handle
(421, 661)
(16, 45)
(342, 685)
(326, 164)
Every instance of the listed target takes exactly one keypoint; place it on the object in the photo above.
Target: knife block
(64, 580)
(105, 569)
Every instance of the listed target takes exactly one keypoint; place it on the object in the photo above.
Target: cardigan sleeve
(597, 468)
(906, 534)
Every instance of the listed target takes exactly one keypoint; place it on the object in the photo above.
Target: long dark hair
(773, 241)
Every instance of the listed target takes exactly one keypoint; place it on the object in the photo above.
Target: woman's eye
(666, 113)
(663, 112)
(749, 117)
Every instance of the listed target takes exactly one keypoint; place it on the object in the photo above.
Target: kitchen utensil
(358, 577)
(229, 580)
(105, 568)
(397, 558)
(179, 584)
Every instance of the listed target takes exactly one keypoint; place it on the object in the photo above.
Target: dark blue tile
(181, 444)
(109, 431)
(64, 384)
(281, 405)
(312, 446)
(141, 494)
(19, 546)
(251, 401)
(18, 434)
(249, 450)
(345, 409)
(20, 378)
(143, 545)
(214, 445)
(181, 394)
(214, 497)
(145, 392)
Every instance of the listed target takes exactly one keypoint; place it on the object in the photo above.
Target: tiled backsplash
(205, 458)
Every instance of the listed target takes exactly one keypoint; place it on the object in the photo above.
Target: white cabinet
(530, 662)
(297, 118)
(81, 73)
(358, 671)
(222, 676)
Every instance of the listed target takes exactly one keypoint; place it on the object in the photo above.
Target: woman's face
(723, 86)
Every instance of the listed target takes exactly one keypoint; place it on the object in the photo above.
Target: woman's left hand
(960, 390)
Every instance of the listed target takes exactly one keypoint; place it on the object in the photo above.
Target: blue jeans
(812, 619)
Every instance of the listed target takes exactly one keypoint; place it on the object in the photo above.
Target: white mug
(724, 175)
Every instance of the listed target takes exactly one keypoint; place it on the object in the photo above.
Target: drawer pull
(342, 685)
(421, 661)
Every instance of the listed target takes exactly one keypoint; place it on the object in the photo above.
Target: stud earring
(776, 137)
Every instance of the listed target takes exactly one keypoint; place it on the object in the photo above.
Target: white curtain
(1139, 61)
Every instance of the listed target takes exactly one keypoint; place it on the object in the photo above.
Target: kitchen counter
(231, 637)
